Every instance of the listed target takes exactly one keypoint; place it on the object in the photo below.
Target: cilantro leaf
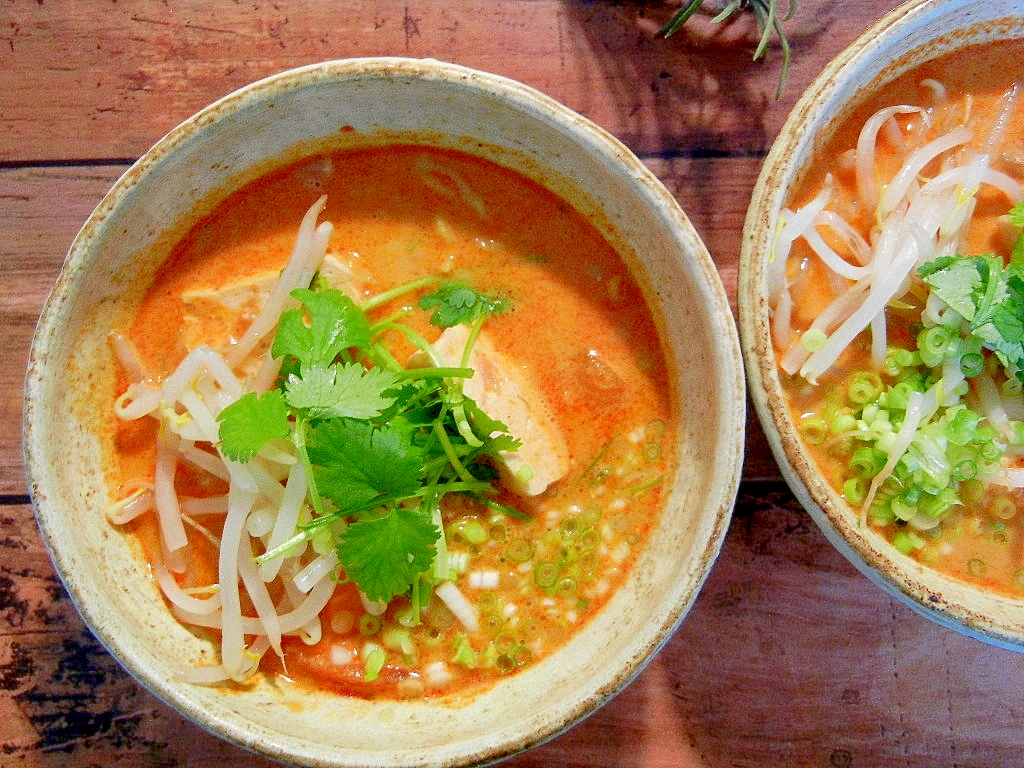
(340, 391)
(456, 303)
(1017, 214)
(359, 466)
(335, 324)
(989, 296)
(385, 555)
(955, 281)
(494, 432)
(250, 422)
(1017, 219)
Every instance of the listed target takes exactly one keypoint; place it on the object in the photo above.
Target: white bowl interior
(265, 125)
(916, 31)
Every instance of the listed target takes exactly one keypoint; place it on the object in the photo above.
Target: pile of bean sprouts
(920, 213)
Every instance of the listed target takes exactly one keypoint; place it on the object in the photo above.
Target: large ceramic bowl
(914, 32)
(250, 132)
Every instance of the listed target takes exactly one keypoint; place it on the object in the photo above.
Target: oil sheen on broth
(578, 332)
(980, 538)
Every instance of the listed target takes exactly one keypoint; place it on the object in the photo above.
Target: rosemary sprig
(765, 11)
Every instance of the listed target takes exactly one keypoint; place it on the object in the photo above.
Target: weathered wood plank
(41, 209)
(789, 656)
(110, 77)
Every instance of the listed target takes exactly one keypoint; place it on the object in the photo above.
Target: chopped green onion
(867, 461)
(474, 532)
(972, 364)
(374, 658)
(864, 387)
(546, 574)
(463, 653)
(814, 430)
(907, 541)
(855, 490)
(934, 344)
(1002, 507)
(519, 550)
(369, 624)
(813, 340)
(977, 567)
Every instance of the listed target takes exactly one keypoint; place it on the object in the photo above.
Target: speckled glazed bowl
(914, 32)
(283, 118)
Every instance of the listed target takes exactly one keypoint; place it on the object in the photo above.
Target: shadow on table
(702, 93)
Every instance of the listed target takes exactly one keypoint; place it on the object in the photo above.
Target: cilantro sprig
(381, 444)
(987, 296)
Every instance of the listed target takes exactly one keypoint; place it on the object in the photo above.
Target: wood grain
(789, 656)
(110, 78)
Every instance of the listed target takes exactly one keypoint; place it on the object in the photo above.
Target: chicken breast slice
(505, 394)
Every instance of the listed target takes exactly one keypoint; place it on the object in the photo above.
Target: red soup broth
(972, 544)
(578, 327)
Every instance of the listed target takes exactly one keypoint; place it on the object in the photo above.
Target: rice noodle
(241, 498)
(266, 497)
(203, 460)
(851, 238)
(288, 509)
(307, 255)
(444, 180)
(206, 505)
(318, 569)
(165, 497)
(836, 312)
(202, 358)
(256, 589)
(127, 356)
(867, 184)
(920, 407)
(312, 631)
(458, 604)
(290, 621)
(898, 189)
(180, 598)
(138, 400)
(831, 259)
(138, 500)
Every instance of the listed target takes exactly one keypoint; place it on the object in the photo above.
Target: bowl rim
(925, 590)
(720, 496)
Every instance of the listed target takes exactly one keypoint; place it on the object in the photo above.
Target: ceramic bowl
(914, 32)
(282, 118)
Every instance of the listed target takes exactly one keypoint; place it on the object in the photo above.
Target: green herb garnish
(768, 20)
(382, 444)
(987, 297)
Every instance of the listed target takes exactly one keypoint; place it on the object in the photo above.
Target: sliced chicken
(508, 396)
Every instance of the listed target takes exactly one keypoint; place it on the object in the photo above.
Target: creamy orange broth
(579, 327)
(975, 544)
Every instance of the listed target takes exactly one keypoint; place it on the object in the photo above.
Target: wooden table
(789, 656)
